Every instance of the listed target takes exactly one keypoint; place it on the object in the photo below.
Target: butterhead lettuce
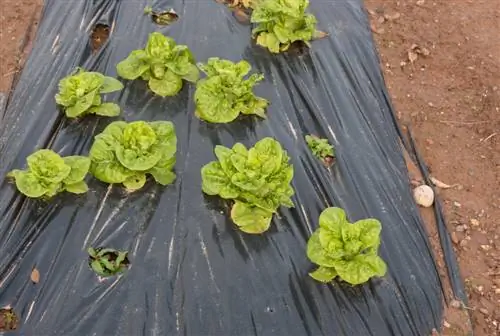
(80, 94)
(162, 63)
(257, 179)
(346, 250)
(225, 92)
(126, 152)
(282, 22)
(49, 174)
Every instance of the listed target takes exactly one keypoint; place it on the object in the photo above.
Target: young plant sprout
(80, 94)
(162, 63)
(225, 92)
(126, 152)
(346, 250)
(257, 179)
(321, 149)
(49, 174)
(283, 22)
(107, 261)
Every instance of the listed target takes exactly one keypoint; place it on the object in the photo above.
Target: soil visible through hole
(8, 320)
(99, 36)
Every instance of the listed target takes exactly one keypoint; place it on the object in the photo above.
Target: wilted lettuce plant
(257, 179)
(344, 249)
(107, 261)
(80, 94)
(282, 22)
(126, 152)
(225, 93)
(49, 174)
(163, 63)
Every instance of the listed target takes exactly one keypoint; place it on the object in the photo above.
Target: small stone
(456, 204)
(454, 238)
(423, 195)
(461, 228)
(463, 243)
(456, 304)
(474, 222)
(486, 247)
(446, 324)
(497, 291)
(484, 311)
(480, 289)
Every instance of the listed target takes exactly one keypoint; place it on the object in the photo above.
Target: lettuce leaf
(162, 63)
(49, 174)
(125, 152)
(225, 92)
(344, 249)
(80, 94)
(257, 179)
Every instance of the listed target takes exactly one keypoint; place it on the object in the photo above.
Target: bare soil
(8, 320)
(441, 62)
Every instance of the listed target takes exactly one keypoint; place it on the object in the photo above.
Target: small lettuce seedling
(126, 152)
(107, 261)
(321, 149)
(257, 179)
(225, 93)
(344, 249)
(282, 22)
(163, 63)
(80, 94)
(49, 174)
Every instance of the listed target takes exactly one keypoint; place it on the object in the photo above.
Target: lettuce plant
(49, 174)
(257, 179)
(80, 94)
(126, 152)
(344, 249)
(107, 261)
(321, 148)
(225, 93)
(282, 22)
(163, 63)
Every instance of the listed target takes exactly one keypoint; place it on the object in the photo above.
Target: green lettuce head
(257, 179)
(163, 64)
(282, 22)
(126, 152)
(80, 94)
(225, 93)
(346, 250)
(49, 174)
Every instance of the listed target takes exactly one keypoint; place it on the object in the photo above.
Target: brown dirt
(450, 96)
(8, 320)
(18, 24)
(99, 36)
(441, 62)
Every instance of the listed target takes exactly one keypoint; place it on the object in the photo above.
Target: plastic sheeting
(192, 272)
